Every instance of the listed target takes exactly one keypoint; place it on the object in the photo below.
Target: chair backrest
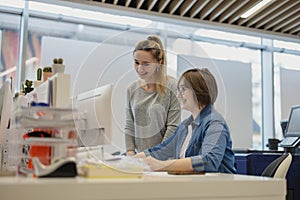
(279, 167)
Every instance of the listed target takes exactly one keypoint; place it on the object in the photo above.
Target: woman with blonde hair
(153, 111)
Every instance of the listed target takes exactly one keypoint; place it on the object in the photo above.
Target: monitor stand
(293, 150)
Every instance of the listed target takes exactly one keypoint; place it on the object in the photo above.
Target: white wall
(92, 65)
(234, 99)
(74, 52)
(289, 90)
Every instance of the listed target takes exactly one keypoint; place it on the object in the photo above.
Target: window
(9, 45)
(286, 76)
(93, 27)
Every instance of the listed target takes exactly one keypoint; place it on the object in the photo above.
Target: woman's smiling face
(145, 65)
(186, 97)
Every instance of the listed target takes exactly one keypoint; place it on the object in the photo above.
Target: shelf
(49, 141)
(43, 132)
(27, 122)
(45, 117)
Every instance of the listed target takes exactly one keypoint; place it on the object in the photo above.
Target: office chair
(279, 167)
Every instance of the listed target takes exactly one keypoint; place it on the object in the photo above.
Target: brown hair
(203, 84)
(154, 45)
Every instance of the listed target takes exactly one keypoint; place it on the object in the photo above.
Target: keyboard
(289, 142)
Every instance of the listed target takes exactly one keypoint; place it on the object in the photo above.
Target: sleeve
(129, 124)
(174, 114)
(165, 150)
(213, 147)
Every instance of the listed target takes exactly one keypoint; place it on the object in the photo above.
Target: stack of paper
(105, 171)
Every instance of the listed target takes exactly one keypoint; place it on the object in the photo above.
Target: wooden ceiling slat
(185, 7)
(198, 7)
(151, 5)
(277, 17)
(127, 3)
(276, 13)
(295, 30)
(288, 20)
(282, 17)
(209, 8)
(290, 27)
(162, 5)
(174, 5)
(236, 6)
(238, 14)
(139, 4)
(273, 5)
(219, 10)
(241, 21)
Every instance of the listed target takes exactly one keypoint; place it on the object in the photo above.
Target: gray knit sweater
(150, 119)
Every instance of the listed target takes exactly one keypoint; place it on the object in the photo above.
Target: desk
(153, 186)
(255, 163)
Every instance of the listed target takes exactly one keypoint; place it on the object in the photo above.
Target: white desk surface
(155, 185)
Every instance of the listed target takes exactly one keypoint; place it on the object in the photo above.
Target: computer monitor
(95, 105)
(283, 124)
(293, 126)
(292, 133)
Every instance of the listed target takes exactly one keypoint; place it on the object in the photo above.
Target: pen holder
(273, 143)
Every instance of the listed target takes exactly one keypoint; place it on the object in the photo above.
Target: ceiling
(277, 18)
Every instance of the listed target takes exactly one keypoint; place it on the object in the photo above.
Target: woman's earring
(158, 69)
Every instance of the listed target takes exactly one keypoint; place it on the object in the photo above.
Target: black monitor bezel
(292, 134)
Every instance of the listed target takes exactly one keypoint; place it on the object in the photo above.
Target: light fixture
(255, 8)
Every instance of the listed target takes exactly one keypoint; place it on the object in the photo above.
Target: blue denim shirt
(210, 147)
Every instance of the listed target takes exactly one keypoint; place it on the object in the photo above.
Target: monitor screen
(293, 126)
(283, 124)
(95, 105)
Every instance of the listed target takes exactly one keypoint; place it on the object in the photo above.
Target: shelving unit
(43, 132)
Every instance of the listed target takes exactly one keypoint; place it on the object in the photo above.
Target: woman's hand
(130, 153)
(157, 165)
(140, 155)
(180, 165)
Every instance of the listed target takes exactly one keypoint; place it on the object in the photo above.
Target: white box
(60, 96)
(55, 91)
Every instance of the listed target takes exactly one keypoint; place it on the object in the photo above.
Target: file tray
(46, 117)
(46, 133)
